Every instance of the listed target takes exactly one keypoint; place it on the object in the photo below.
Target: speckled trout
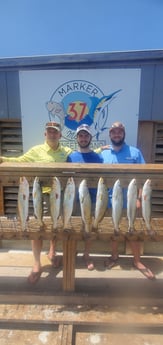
(85, 205)
(101, 202)
(68, 201)
(23, 201)
(117, 205)
(146, 204)
(55, 201)
(38, 201)
(131, 204)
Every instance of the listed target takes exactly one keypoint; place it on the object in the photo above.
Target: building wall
(151, 99)
(151, 64)
(9, 95)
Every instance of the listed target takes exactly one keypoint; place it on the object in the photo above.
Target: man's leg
(36, 270)
(52, 255)
(88, 261)
(112, 261)
(53, 258)
(135, 247)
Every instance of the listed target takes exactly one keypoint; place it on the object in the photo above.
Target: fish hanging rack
(11, 172)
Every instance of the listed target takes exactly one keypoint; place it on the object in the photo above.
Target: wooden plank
(79, 171)
(145, 142)
(1, 201)
(69, 254)
(11, 131)
(64, 336)
(39, 298)
(10, 139)
(6, 123)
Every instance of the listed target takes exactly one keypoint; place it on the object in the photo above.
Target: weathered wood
(65, 334)
(11, 228)
(1, 201)
(69, 254)
(10, 173)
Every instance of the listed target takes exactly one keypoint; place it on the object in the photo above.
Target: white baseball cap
(83, 127)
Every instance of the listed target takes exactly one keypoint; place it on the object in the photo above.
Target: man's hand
(106, 147)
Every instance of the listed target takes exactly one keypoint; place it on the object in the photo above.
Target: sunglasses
(53, 124)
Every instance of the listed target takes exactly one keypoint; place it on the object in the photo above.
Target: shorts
(46, 204)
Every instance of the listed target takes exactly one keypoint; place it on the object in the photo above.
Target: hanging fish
(101, 202)
(38, 201)
(85, 206)
(146, 204)
(117, 205)
(131, 203)
(23, 201)
(68, 201)
(55, 201)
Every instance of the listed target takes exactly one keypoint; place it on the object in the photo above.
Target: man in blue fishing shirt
(84, 154)
(121, 153)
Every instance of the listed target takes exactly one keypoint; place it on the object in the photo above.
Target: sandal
(146, 272)
(55, 261)
(34, 277)
(110, 262)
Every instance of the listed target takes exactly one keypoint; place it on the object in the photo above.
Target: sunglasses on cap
(54, 125)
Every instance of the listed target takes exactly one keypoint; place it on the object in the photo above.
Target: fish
(23, 201)
(101, 202)
(85, 206)
(38, 201)
(117, 205)
(68, 201)
(55, 201)
(146, 204)
(131, 203)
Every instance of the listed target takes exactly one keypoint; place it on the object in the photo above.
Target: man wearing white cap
(119, 153)
(50, 151)
(84, 154)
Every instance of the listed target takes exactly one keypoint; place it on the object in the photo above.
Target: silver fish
(23, 201)
(85, 205)
(68, 201)
(55, 201)
(131, 203)
(146, 204)
(117, 205)
(101, 202)
(38, 201)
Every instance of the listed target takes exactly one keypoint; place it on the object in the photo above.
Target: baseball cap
(83, 127)
(117, 125)
(54, 125)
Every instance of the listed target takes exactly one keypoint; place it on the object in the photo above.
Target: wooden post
(69, 255)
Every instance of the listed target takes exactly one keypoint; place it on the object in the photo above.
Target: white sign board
(97, 97)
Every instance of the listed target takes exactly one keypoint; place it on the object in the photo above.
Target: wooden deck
(10, 230)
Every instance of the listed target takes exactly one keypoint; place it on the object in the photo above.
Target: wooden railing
(10, 226)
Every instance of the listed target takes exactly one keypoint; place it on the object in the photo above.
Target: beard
(118, 143)
(84, 145)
